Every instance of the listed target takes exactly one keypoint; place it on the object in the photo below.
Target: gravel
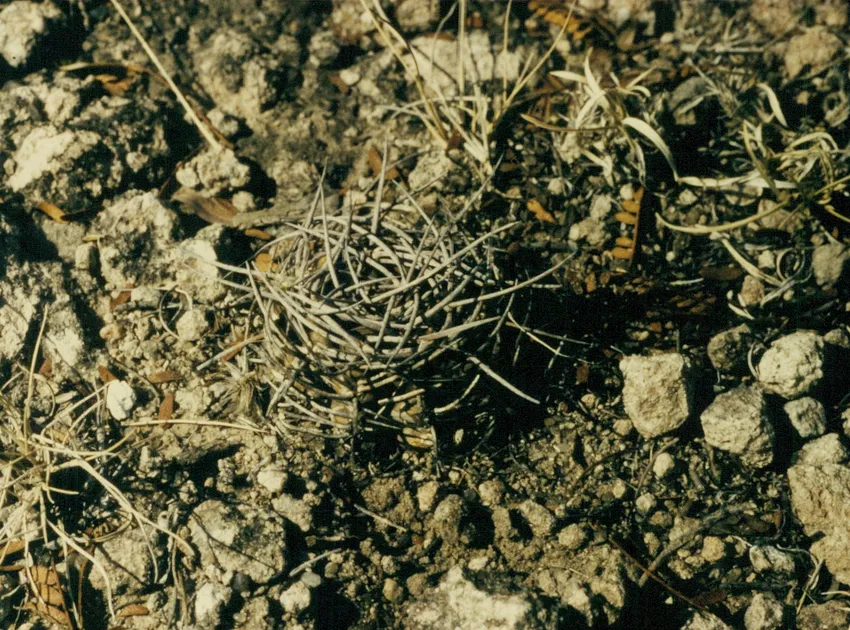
(656, 392)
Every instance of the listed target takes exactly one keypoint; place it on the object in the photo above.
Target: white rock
(458, 604)
(737, 422)
(792, 365)
(272, 479)
(814, 49)
(541, 521)
(120, 399)
(820, 498)
(807, 415)
(645, 503)
(417, 15)
(713, 549)
(210, 599)
(705, 621)
(663, 465)
(23, 27)
(768, 558)
(296, 598)
(824, 450)
(656, 392)
(828, 263)
(294, 510)
(763, 613)
(192, 325)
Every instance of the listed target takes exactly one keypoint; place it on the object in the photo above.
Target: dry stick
(205, 132)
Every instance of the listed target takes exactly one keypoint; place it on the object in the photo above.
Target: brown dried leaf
(210, 209)
(621, 253)
(54, 212)
(105, 375)
(626, 217)
(625, 241)
(133, 610)
(263, 261)
(376, 163)
(236, 349)
(540, 213)
(166, 408)
(122, 298)
(258, 233)
(166, 376)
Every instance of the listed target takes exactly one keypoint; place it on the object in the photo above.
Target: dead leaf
(210, 209)
(122, 298)
(133, 610)
(376, 163)
(264, 263)
(540, 213)
(335, 80)
(166, 376)
(626, 217)
(237, 347)
(46, 368)
(621, 253)
(105, 375)
(166, 408)
(258, 233)
(582, 373)
(721, 274)
(54, 212)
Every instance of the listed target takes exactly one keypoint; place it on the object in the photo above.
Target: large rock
(656, 393)
(820, 498)
(793, 365)
(737, 422)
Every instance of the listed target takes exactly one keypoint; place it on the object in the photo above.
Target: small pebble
(492, 492)
(393, 591)
(120, 399)
(645, 503)
(713, 549)
(663, 465)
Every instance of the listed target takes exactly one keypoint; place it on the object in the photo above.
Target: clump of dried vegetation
(61, 462)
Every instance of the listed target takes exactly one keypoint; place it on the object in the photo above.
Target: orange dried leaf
(166, 408)
(258, 233)
(166, 376)
(621, 253)
(237, 347)
(263, 261)
(105, 375)
(721, 274)
(625, 241)
(133, 610)
(626, 217)
(54, 212)
(335, 80)
(46, 368)
(540, 213)
(582, 373)
(122, 298)
(210, 209)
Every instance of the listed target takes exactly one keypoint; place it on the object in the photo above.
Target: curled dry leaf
(166, 408)
(540, 213)
(166, 376)
(210, 209)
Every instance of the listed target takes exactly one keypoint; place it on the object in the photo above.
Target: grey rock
(827, 616)
(296, 598)
(210, 600)
(793, 364)
(295, 511)
(25, 29)
(705, 621)
(807, 415)
(448, 517)
(727, 350)
(828, 262)
(456, 603)
(737, 422)
(539, 518)
(820, 498)
(249, 542)
(769, 558)
(656, 392)
(763, 613)
(825, 450)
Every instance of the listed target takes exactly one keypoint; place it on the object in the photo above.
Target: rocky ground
(652, 430)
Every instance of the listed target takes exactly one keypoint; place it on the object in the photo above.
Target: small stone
(793, 365)
(828, 262)
(663, 465)
(623, 427)
(25, 27)
(713, 549)
(417, 583)
(573, 536)
(85, 257)
(272, 479)
(393, 591)
(210, 600)
(827, 449)
(752, 291)
(820, 498)
(192, 325)
(492, 492)
(727, 350)
(112, 332)
(426, 495)
(838, 337)
(763, 613)
(294, 510)
(478, 564)
(350, 76)
(826, 616)
(705, 621)
(417, 15)
(814, 49)
(145, 296)
(311, 579)
(120, 399)
(807, 416)
(737, 422)
(656, 392)
(645, 503)
(539, 518)
(768, 558)
(296, 598)
(447, 518)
